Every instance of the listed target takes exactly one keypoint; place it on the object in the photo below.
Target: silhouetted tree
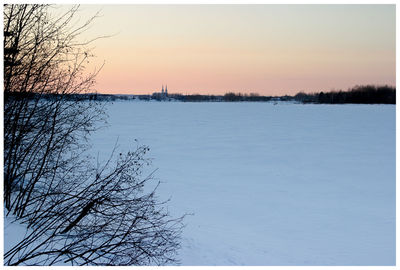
(75, 212)
(366, 94)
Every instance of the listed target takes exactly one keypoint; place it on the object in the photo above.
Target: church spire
(162, 90)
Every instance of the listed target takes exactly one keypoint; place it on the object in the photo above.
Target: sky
(265, 49)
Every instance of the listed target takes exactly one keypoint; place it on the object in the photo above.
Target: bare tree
(43, 64)
(105, 220)
(75, 212)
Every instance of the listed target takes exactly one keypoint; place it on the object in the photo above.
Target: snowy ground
(288, 184)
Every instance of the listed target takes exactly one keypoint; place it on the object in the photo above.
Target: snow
(289, 184)
(13, 232)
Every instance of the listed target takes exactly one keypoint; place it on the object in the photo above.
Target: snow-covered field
(288, 184)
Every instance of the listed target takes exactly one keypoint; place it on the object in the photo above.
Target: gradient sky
(268, 49)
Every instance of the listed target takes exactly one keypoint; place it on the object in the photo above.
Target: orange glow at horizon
(265, 49)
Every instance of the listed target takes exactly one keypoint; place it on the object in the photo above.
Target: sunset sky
(268, 49)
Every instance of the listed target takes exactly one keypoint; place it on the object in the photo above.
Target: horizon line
(150, 92)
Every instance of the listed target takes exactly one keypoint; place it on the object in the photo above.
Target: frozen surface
(288, 184)
(13, 232)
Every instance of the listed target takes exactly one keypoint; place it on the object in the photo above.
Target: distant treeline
(228, 97)
(368, 94)
(221, 98)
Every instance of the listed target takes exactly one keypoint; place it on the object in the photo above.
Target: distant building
(163, 95)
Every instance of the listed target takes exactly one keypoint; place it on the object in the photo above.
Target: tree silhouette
(75, 212)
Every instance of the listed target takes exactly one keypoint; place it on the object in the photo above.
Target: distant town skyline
(264, 49)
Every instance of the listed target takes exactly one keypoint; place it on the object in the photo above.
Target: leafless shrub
(76, 213)
(106, 220)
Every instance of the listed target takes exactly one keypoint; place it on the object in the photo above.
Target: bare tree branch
(75, 212)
